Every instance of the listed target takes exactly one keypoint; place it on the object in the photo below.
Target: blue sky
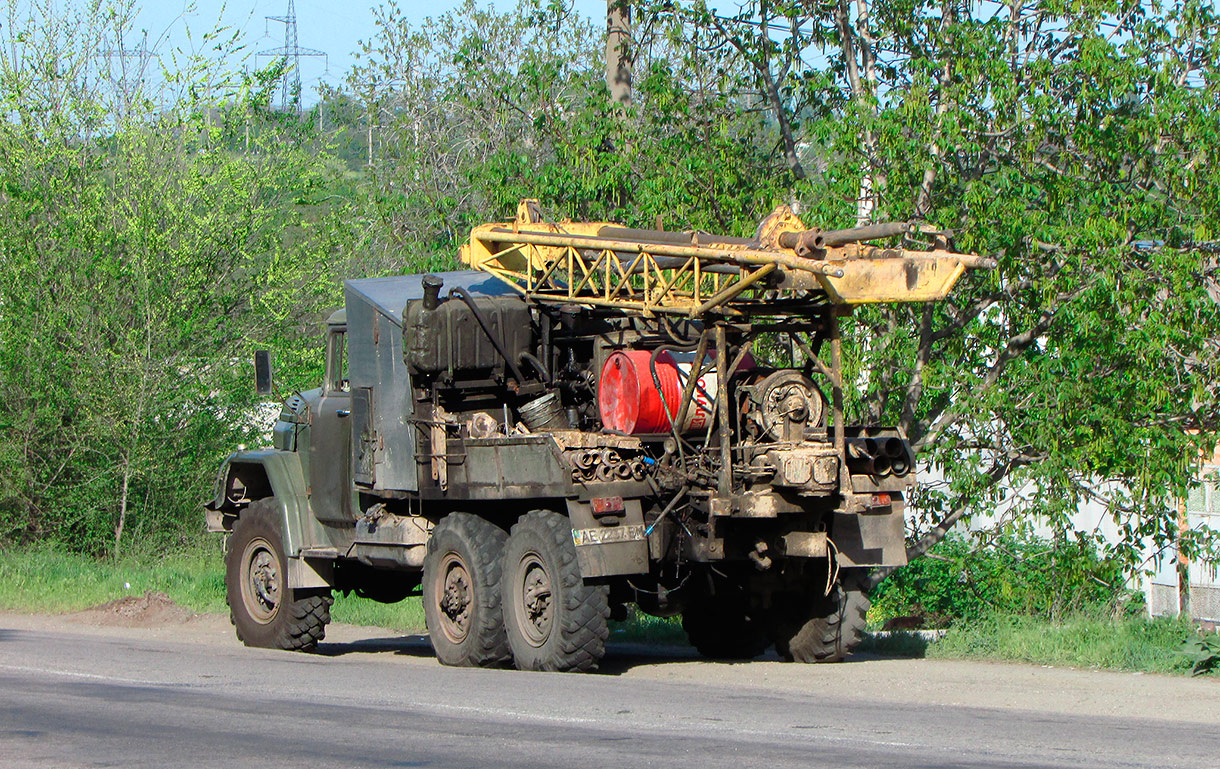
(335, 27)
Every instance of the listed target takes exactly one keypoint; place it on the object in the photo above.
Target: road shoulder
(918, 682)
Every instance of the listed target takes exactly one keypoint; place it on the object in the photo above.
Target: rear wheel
(554, 620)
(461, 592)
(816, 628)
(265, 608)
(721, 625)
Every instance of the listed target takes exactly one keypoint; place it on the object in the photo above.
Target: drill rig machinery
(588, 418)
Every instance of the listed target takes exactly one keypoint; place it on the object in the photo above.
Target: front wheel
(554, 620)
(265, 608)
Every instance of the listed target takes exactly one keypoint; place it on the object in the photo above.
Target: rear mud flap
(609, 545)
(870, 538)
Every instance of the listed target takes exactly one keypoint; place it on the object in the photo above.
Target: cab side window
(336, 359)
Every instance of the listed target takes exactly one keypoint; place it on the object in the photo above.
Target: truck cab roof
(390, 295)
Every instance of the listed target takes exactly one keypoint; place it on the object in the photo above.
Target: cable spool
(545, 413)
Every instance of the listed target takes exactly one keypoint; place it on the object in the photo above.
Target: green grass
(405, 616)
(1134, 644)
(895, 644)
(408, 617)
(644, 628)
(1092, 643)
(44, 580)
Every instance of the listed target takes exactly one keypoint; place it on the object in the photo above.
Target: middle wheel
(554, 620)
(462, 592)
(719, 620)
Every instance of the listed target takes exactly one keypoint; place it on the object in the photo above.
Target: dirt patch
(152, 609)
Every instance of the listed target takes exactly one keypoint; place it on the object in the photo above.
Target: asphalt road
(72, 698)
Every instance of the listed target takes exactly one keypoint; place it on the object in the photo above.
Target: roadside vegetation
(1027, 600)
(49, 580)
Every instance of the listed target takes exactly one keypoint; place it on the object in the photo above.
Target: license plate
(608, 534)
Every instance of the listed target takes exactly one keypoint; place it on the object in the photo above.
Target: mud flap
(609, 545)
(870, 538)
(311, 572)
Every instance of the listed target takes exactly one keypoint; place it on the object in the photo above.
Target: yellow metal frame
(692, 274)
(613, 277)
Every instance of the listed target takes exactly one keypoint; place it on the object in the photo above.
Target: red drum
(628, 400)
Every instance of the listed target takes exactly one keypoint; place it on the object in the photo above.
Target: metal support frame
(649, 278)
(836, 400)
(696, 369)
(784, 270)
(725, 484)
(717, 335)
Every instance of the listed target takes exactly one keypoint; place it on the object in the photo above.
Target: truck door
(330, 446)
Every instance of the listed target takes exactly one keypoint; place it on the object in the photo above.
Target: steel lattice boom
(786, 268)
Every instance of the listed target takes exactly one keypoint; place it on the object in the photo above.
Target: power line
(291, 52)
(129, 88)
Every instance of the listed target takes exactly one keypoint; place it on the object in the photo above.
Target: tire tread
(583, 627)
(305, 614)
(828, 634)
(489, 646)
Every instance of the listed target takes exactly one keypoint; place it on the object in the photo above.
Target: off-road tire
(461, 592)
(821, 628)
(722, 627)
(280, 616)
(554, 620)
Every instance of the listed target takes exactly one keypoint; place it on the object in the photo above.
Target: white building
(1201, 597)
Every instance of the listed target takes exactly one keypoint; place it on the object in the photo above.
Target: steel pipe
(747, 257)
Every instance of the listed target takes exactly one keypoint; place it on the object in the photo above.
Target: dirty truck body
(590, 419)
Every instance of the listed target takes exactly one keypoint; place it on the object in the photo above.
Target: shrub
(969, 579)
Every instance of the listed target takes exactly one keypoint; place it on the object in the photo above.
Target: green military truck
(587, 419)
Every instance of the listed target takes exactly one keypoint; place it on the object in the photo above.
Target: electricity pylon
(291, 52)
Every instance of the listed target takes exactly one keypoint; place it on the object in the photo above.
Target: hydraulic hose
(536, 365)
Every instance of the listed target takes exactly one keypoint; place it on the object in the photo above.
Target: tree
(1079, 145)
(474, 110)
(140, 262)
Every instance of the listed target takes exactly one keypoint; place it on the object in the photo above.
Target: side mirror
(262, 372)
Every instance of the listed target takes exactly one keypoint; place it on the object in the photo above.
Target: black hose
(656, 382)
(536, 365)
(462, 294)
(656, 378)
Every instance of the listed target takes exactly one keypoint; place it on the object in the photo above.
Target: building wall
(1202, 509)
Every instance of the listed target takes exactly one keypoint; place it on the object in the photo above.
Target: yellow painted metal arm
(652, 271)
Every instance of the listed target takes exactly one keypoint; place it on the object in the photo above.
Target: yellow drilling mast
(784, 265)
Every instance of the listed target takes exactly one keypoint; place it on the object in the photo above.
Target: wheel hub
(537, 606)
(456, 599)
(261, 587)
